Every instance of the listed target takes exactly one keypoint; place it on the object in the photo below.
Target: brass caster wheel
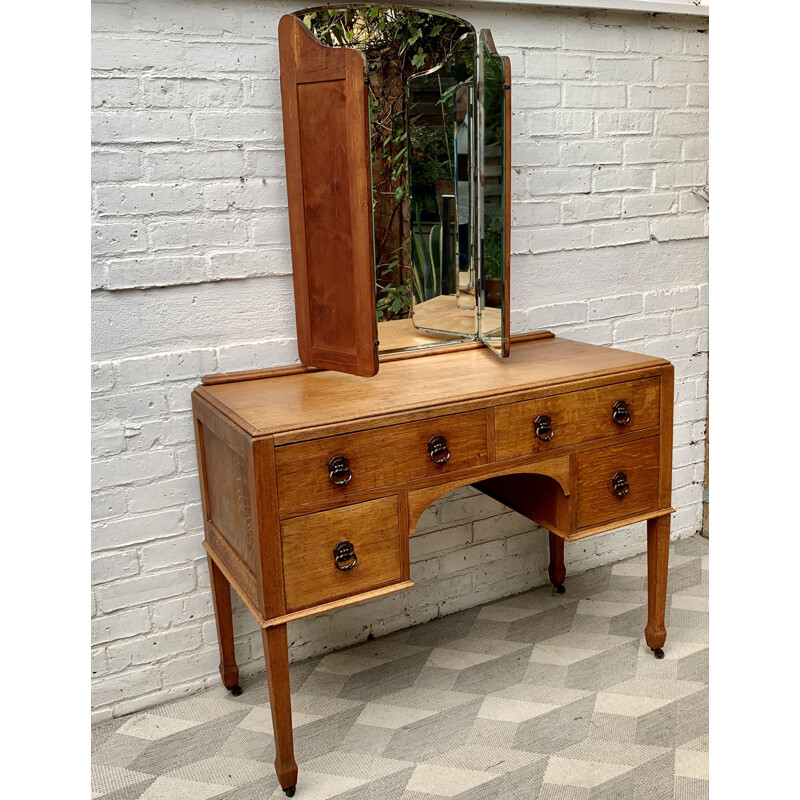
(236, 690)
(560, 588)
(657, 652)
(290, 791)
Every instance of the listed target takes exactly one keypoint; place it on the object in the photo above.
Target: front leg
(223, 614)
(657, 564)
(276, 654)
(557, 572)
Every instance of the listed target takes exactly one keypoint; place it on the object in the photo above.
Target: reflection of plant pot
(446, 187)
(494, 292)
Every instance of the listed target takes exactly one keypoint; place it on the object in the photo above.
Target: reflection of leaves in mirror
(397, 42)
(493, 245)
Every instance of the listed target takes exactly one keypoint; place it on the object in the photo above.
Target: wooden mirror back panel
(326, 139)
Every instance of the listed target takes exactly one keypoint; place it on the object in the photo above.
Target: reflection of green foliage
(429, 160)
(494, 98)
(394, 300)
(493, 236)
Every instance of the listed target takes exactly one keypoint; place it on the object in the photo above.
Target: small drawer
(333, 468)
(617, 481)
(363, 538)
(548, 423)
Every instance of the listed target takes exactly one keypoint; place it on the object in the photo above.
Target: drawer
(576, 417)
(310, 573)
(377, 458)
(634, 465)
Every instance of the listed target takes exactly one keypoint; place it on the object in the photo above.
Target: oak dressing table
(314, 476)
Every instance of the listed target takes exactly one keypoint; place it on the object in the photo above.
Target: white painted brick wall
(191, 274)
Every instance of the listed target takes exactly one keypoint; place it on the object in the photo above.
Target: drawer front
(377, 458)
(576, 417)
(617, 481)
(311, 575)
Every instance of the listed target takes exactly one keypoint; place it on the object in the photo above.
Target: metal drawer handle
(344, 556)
(339, 471)
(620, 413)
(543, 428)
(619, 484)
(437, 448)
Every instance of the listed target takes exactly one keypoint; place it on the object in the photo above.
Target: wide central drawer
(548, 423)
(338, 466)
(340, 552)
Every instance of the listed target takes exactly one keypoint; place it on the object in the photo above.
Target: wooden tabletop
(295, 402)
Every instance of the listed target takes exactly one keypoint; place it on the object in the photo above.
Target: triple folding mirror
(397, 138)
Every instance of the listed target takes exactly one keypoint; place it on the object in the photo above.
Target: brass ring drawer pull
(339, 471)
(543, 427)
(437, 448)
(620, 413)
(344, 556)
(619, 484)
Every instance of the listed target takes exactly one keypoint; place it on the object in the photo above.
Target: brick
(501, 527)
(110, 16)
(267, 163)
(649, 39)
(427, 544)
(233, 57)
(108, 440)
(594, 37)
(181, 610)
(697, 95)
(642, 205)
(179, 400)
(671, 176)
(611, 178)
(128, 684)
(649, 151)
(177, 234)
(578, 95)
(625, 70)
(132, 273)
(673, 347)
(135, 54)
(115, 166)
(122, 625)
(246, 264)
(146, 198)
(610, 234)
(122, 470)
(252, 194)
(115, 92)
(527, 214)
(696, 43)
(263, 92)
(584, 208)
(173, 16)
(679, 226)
(165, 367)
(668, 70)
(188, 667)
(642, 327)
(135, 530)
(116, 238)
(591, 152)
(692, 319)
(692, 201)
(144, 589)
(615, 123)
(103, 377)
(108, 504)
(656, 96)
(193, 92)
(681, 123)
(239, 125)
(557, 66)
(469, 557)
(671, 299)
(194, 165)
(425, 570)
(141, 126)
(112, 566)
(536, 153)
(568, 237)
(153, 648)
(257, 356)
(131, 405)
(145, 435)
(164, 494)
(607, 307)
(557, 123)
(536, 95)
(560, 181)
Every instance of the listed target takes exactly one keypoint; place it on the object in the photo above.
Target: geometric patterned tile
(538, 696)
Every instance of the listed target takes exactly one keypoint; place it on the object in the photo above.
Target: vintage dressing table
(314, 476)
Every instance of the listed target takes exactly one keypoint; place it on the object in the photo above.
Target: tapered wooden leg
(276, 653)
(221, 594)
(657, 564)
(557, 572)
